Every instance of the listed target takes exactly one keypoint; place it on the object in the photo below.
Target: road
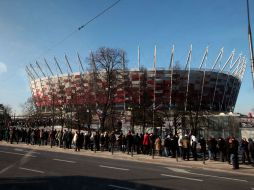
(22, 168)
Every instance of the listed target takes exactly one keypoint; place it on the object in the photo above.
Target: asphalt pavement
(41, 167)
(208, 164)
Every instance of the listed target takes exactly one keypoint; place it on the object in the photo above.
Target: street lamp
(88, 119)
(132, 120)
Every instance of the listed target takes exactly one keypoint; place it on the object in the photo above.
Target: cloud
(3, 68)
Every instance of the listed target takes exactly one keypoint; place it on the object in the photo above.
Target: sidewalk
(166, 161)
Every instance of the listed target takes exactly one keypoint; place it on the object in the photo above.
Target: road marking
(181, 177)
(23, 150)
(178, 170)
(6, 168)
(28, 155)
(205, 175)
(119, 187)
(19, 149)
(115, 168)
(60, 160)
(32, 170)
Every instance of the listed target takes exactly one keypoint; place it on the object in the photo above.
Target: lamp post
(88, 119)
(154, 130)
(132, 120)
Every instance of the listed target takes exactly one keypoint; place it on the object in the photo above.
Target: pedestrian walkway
(166, 161)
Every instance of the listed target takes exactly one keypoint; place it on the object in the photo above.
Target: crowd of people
(176, 146)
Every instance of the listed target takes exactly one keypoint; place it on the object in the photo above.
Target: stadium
(212, 89)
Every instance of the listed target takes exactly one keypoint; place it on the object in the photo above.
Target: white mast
(139, 100)
(231, 57)
(188, 80)
(154, 85)
(171, 67)
(230, 60)
(123, 67)
(218, 58)
(204, 72)
(80, 63)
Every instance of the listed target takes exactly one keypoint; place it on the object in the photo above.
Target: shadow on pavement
(71, 183)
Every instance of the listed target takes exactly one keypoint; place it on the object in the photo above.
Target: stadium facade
(215, 89)
(203, 90)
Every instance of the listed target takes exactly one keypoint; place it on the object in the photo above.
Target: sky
(33, 30)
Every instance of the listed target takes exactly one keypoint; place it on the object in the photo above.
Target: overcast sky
(33, 30)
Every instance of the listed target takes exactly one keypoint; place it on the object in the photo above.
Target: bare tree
(106, 64)
(5, 115)
(28, 108)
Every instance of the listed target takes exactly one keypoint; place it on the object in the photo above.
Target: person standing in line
(166, 147)
(185, 142)
(32, 137)
(92, 145)
(130, 141)
(245, 151)
(87, 141)
(175, 146)
(120, 141)
(137, 143)
(151, 143)
(180, 148)
(41, 137)
(146, 143)
(112, 140)
(235, 161)
(251, 149)
(209, 148)
(202, 143)
(97, 141)
(65, 139)
(124, 143)
(222, 149)
(158, 145)
(75, 140)
(141, 142)
(194, 148)
(106, 135)
(52, 137)
(102, 142)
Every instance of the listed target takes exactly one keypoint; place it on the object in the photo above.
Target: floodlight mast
(80, 63)
(171, 68)
(250, 44)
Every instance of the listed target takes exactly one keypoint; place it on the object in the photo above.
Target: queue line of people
(185, 147)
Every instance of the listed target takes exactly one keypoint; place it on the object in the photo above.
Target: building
(214, 89)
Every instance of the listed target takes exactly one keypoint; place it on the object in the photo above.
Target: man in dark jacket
(222, 149)
(130, 141)
(112, 140)
(202, 143)
(251, 149)
(234, 151)
(245, 151)
(137, 143)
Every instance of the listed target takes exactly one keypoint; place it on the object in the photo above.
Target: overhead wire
(80, 28)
